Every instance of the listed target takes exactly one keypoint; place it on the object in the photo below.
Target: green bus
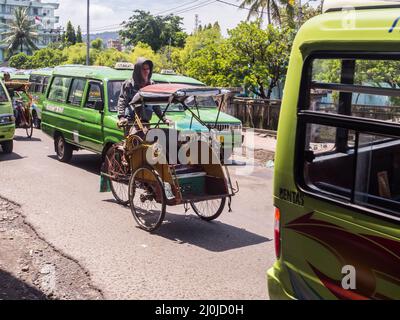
(7, 120)
(80, 110)
(337, 174)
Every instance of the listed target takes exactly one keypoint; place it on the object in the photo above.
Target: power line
(183, 10)
(172, 9)
(235, 5)
(117, 27)
(208, 2)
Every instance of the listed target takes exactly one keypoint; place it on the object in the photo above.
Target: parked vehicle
(7, 120)
(80, 110)
(337, 169)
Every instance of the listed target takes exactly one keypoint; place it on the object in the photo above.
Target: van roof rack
(339, 5)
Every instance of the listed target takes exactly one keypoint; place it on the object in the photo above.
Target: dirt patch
(263, 156)
(31, 269)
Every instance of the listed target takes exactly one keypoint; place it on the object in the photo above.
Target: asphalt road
(186, 259)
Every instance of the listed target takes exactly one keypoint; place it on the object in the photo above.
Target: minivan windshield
(114, 89)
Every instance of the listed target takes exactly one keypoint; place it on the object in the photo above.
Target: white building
(41, 11)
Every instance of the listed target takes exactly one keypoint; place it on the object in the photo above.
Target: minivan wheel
(7, 146)
(63, 149)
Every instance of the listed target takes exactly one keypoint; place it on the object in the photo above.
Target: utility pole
(88, 34)
(169, 50)
(196, 23)
(300, 14)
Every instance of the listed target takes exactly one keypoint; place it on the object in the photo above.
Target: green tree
(70, 35)
(110, 57)
(97, 44)
(144, 50)
(77, 54)
(20, 61)
(156, 31)
(258, 58)
(258, 7)
(22, 33)
(79, 35)
(47, 58)
(201, 57)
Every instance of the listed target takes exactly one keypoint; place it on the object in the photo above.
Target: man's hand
(168, 122)
(122, 122)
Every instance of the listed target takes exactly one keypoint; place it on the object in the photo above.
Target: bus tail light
(277, 233)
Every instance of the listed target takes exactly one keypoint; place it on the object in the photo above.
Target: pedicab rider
(141, 78)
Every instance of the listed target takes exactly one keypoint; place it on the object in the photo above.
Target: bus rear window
(349, 125)
(371, 87)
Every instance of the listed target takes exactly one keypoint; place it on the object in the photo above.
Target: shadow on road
(213, 236)
(10, 156)
(88, 162)
(25, 138)
(12, 288)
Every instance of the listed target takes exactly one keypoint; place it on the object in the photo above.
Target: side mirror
(99, 105)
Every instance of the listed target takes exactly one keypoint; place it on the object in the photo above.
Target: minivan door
(91, 118)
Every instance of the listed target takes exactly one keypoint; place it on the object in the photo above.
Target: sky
(106, 15)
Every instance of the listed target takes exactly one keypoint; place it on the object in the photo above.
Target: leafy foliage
(97, 44)
(70, 35)
(20, 61)
(79, 38)
(22, 32)
(156, 31)
(272, 7)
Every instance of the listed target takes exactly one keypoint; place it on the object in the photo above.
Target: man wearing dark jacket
(141, 78)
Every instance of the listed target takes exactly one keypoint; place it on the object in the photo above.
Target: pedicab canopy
(163, 93)
(17, 85)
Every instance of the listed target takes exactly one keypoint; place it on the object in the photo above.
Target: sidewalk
(258, 147)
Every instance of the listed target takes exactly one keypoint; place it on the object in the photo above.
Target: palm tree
(22, 32)
(257, 8)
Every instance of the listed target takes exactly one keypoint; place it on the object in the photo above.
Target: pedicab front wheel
(147, 198)
(29, 127)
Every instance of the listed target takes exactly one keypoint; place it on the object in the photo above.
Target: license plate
(168, 191)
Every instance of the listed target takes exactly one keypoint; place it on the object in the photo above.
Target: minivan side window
(349, 129)
(59, 89)
(76, 94)
(45, 84)
(94, 95)
(39, 84)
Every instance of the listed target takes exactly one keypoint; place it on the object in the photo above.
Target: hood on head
(137, 72)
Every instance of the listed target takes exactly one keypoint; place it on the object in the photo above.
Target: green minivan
(7, 120)
(80, 110)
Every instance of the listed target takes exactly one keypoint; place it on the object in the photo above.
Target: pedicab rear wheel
(210, 209)
(119, 173)
(147, 198)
